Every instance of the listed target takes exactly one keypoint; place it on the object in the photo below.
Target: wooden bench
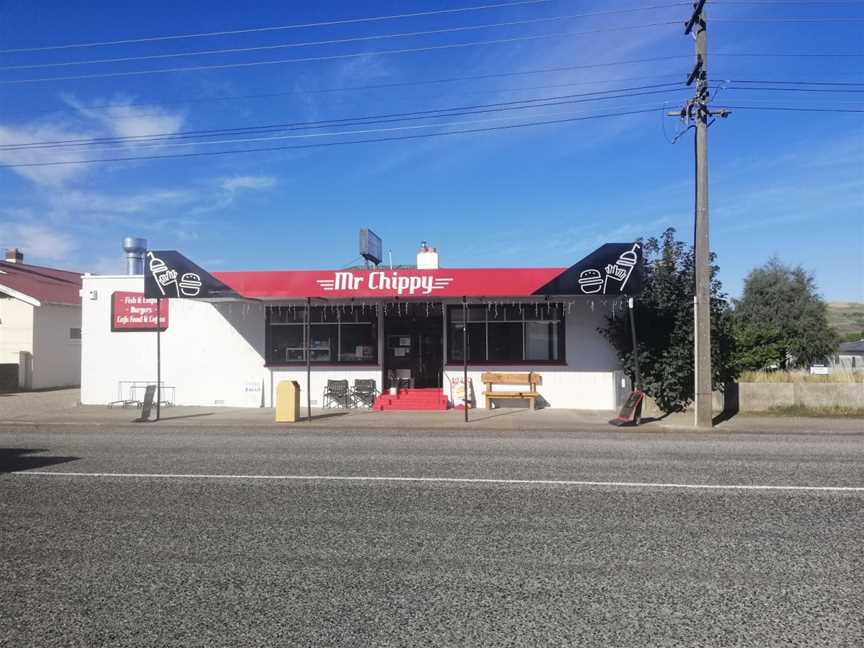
(530, 380)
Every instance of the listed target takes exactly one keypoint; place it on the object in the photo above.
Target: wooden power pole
(699, 115)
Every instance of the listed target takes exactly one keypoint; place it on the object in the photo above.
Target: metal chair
(336, 392)
(363, 393)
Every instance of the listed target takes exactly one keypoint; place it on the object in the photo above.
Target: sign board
(631, 410)
(147, 403)
(170, 274)
(611, 269)
(132, 311)
(371, 246)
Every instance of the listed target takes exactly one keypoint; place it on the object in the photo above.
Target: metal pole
(465, 354)
(637, 376)
(702, 334)
(158, 357)
(308, 346)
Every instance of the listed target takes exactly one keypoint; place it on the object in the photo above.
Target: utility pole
(699, 115)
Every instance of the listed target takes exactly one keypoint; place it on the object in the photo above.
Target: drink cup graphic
(163, 275)
(621, 270)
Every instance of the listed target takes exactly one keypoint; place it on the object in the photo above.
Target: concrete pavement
(105, 557)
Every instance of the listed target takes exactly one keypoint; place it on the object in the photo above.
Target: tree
(783, 299)
(664, 325)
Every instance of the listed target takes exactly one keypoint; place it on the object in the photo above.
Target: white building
(400, 328)
(40, 325)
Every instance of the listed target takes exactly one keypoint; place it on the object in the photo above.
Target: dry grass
(801, 410)
(843, 376)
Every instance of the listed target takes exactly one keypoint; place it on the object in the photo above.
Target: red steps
(412, 400)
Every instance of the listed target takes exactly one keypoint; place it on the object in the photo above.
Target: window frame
(373, 322)
(562, 335)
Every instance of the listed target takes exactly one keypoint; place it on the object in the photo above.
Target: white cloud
(33, 133)
(122, 119)
(39, 241)
(239, 182)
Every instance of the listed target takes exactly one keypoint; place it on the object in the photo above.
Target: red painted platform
(412, 399)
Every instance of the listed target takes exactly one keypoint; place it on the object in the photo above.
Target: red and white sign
(131, 311)
(473, 282)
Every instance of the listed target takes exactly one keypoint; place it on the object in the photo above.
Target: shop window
(510, 334)
(338, 335)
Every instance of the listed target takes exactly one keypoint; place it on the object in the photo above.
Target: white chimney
(427, 257)
(14, 255)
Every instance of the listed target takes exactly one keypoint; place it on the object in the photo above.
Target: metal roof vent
(134, 249)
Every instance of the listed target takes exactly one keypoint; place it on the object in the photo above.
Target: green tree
(784, 299)
(664, 324)
(758, 347)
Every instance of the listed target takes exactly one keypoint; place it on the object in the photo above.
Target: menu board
(131, 311)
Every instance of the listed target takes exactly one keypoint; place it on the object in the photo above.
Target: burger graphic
(590, 281)
(190, 284)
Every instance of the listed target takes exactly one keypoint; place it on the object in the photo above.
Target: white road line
(450, 480)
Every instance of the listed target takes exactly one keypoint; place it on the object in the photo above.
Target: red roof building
(40, 325)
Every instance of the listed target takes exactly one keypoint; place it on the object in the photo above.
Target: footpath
(61, 407)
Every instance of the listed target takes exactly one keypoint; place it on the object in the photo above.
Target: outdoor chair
(363, 393)
(336, 392)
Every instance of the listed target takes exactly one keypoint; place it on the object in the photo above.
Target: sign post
(158, 357)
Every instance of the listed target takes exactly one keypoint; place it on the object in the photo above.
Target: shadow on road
(14, 459)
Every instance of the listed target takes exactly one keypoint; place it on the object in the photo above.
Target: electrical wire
(770, 89)
(325, 23)
(373, 123)
(832, 19)
(335, 41)
(798, 109)
(332, 57)
(159, 138)
(788, 82)
(329, 144)
(399, 84)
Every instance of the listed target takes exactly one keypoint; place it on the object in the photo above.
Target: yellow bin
(287, 401)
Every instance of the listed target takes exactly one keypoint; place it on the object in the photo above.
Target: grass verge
(801, 410)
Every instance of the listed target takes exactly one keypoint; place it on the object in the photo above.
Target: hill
(847, 318)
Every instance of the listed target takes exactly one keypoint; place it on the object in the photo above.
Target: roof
(40, 285)
(852, 347)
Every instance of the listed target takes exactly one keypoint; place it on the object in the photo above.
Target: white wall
(16, 329)
(590, 379)
(211, 353)
(56, 357)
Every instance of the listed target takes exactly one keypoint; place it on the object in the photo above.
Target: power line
(332, 57)
(403, 84)
(162, 137)
(799, 109)
(789, 82)
(770, 89)
(335, 41)
(759, 19)
(330, 144)
(172, 143)
(325, 23)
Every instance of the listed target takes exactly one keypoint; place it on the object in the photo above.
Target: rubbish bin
(287, 401)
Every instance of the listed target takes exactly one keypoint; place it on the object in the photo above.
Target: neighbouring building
(40, 325)
(850, 355)
(228, 338)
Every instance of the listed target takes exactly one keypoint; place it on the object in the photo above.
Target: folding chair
(336, 392)
(363, 393)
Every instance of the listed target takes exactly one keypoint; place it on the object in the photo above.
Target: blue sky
(789, 184)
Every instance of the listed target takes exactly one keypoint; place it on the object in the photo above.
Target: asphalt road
(119, 560)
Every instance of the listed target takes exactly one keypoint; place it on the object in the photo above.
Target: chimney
(134, 249)
(14, 255)
(427, 257)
